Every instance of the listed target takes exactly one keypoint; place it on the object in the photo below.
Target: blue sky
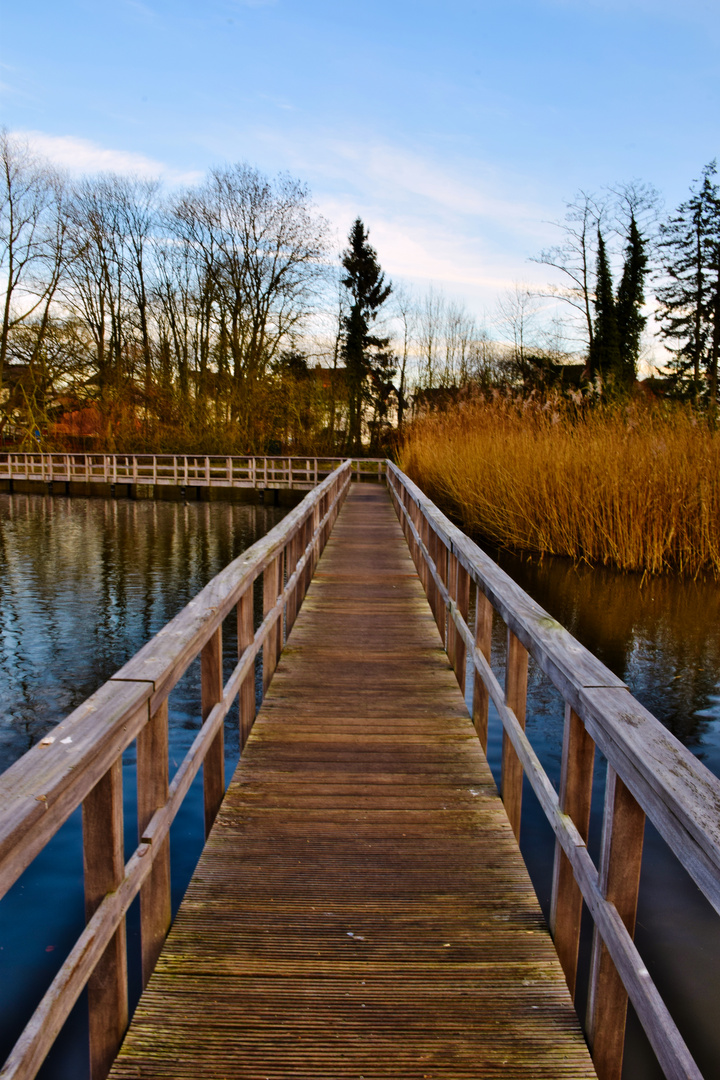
(456, 131)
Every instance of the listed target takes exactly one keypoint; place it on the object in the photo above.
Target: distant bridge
(180, 470)
(361, 908)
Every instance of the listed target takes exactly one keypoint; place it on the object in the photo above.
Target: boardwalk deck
(361, 908)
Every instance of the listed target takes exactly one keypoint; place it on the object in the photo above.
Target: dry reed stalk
(637, 487)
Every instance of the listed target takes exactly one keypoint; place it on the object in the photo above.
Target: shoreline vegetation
(633, 485)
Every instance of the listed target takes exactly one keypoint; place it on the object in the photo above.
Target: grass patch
(634, 486)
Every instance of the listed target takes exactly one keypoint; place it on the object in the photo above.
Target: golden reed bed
(634, 486)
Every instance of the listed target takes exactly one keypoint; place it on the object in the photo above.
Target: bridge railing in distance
(649, 773)
(182, 470)
(80, 763)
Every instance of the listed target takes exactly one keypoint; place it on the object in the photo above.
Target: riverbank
(635, 487)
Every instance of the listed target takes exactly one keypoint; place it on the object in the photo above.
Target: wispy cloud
(455, 223)
(79, 156)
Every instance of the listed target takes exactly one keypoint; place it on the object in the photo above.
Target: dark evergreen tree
(604, 355)
(367, 360)
(628, 307)
(690, 298)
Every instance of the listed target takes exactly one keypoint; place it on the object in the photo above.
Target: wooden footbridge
(361, 908)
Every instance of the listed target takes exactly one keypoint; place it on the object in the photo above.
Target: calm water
(83, 583)
(662, 637)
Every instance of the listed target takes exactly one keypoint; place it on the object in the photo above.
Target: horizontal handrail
(180, 470)
(71, 766)
(675, 790)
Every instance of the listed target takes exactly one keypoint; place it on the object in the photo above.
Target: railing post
(619, 880)
(483, 641)
(245, 635)
(578, 758)
(152, 793)
(272, 585)
(104, 869)
(516, 675)
(293, 556)
(439, 555)
(306, 533)
(428, 538)
(459, 582)
(211, 694)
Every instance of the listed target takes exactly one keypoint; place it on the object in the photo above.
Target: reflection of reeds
(637, 487)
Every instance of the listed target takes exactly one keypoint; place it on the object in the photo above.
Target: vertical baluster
(271, 591)
(429, 539)
(293, 555)
(418, 557)
(211, 693)
(410, 506)
(461, 596)
(440, 556)
(452, 637)
(104, 867)
(315, 542)
(516, 676)
(483, 641)
(152, 793)
(245, 635)
(578, 757)
(306, 574)
(619, 879)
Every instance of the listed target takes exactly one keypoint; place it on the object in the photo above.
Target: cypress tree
(630, 299)
(604, 356)
(364, 353)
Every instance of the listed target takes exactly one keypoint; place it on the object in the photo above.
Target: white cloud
(80, 156)
(455, 223)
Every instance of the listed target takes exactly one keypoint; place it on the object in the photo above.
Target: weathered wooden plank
(104, 869)
(578, 757)
(40, 790)
(483, 642)
(359, 880)
(677, 792)
(661, 1030)
(272, 587)
(619, 880)
(245, 634)
(152, 788)
(168, 655)
(211, 684)
(516, 680)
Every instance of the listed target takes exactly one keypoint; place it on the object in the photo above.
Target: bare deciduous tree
(32, 237)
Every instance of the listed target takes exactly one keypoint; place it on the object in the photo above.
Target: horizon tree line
(205, 318)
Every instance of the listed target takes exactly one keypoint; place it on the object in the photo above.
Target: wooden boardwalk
(361, 908)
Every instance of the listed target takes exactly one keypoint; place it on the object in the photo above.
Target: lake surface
(662, 637)
(85, 582)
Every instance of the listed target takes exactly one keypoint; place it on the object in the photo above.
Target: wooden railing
(193, 470)
(649, 773)
(80, 763)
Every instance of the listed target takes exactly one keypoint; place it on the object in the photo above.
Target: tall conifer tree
(604, 356)
(630, 299)
(690, 298)
(365, 354)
